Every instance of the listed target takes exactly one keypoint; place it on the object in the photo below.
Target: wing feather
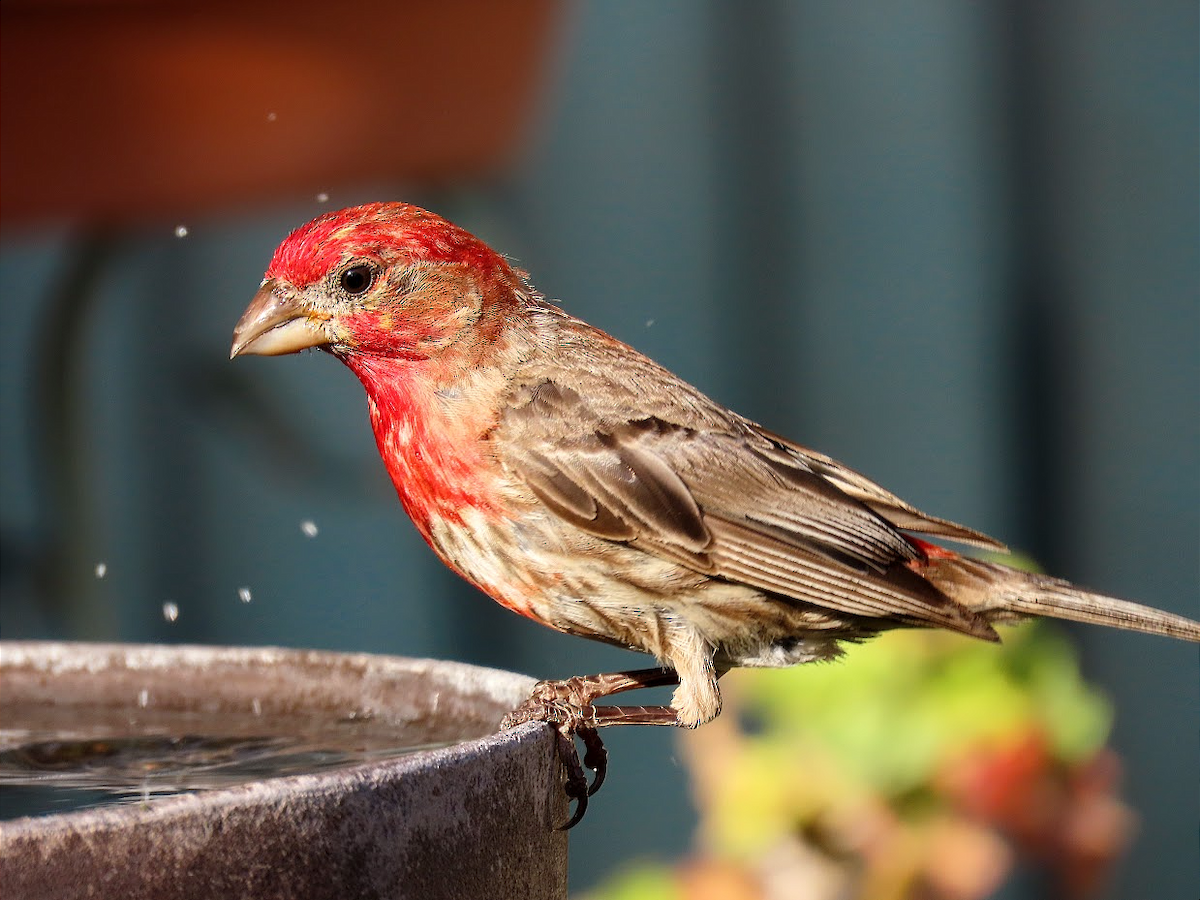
(699, 485)
(901, 513)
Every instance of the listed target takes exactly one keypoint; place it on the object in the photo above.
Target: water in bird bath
(55, 760)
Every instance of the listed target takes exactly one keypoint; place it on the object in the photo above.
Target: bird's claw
(570, 720)
(576, 786)
(595, 758)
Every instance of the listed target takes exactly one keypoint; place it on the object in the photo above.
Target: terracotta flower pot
(121, 110)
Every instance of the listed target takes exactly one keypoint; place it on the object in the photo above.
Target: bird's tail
(1003, 594)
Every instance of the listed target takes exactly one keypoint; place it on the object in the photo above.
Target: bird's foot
(569, 721)
(568, 706)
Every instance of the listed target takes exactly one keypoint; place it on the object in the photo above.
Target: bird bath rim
(477, 818)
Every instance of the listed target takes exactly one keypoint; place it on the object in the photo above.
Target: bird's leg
(568, 705)
(603, 716)
(583, 690)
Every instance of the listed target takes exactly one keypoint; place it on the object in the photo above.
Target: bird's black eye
(356, 279)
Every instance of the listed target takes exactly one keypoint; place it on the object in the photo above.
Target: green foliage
(892, 710)
(640, 881)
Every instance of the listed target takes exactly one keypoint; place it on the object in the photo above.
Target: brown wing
(724, 499)
(898, 512)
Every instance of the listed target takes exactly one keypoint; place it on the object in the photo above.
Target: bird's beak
(277, 322)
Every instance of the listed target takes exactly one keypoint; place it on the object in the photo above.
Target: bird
(584, 486)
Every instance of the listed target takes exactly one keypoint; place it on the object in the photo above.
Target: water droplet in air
(271, 117)
(309, 527)
(244, 594)
(143, 698)
(322, 197)
(170, 611)
(181, 231)
(101, 569)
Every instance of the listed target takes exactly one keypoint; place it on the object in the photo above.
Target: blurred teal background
(953, 245)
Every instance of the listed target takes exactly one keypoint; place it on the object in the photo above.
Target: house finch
(580, 484)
